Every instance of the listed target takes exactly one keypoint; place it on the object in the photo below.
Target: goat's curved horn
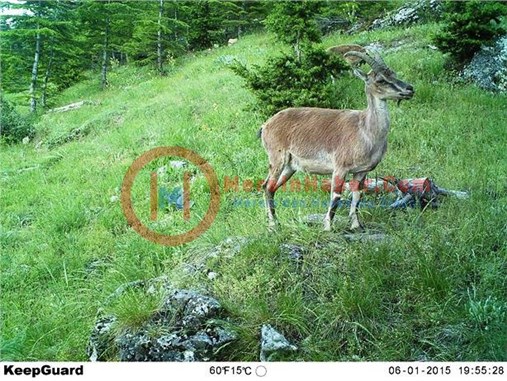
(363, 56)
(380, 61)
(342, 50)
(376, 65)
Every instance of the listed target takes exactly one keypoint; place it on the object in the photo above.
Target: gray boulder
(273, 344)
(410, 13)
(488, 68)
(189, 326)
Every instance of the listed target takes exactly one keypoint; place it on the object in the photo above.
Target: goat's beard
(398, 102)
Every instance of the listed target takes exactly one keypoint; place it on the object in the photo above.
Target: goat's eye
(382, 82)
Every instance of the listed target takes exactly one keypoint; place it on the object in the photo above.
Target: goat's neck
(376, 117)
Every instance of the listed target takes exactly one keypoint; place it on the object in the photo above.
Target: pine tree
(294, 23)
(213, 22)
(301, 78)
(42, 40)
(62, 61)
(108, 26)
(467, 26)
(31, 27)
(156, 32)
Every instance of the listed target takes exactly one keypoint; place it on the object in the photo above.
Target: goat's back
(307, 130)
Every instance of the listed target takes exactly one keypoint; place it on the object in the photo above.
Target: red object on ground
(418, 187)
(415, 186)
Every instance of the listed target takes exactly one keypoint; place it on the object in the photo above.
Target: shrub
(13, 126)
(468, 25)
(292, 81)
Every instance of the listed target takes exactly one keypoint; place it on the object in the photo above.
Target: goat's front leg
(356, 185)
(337, 183)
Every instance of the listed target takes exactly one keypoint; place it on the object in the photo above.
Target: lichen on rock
(488, 67)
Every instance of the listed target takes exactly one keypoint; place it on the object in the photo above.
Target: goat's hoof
(356, 226)
(327, 226)
(272, 226)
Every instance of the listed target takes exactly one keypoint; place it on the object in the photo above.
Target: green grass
(436, 290)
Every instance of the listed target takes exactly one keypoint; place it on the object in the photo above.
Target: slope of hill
(435, 290)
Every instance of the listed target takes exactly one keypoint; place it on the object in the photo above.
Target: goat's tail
(259, 133)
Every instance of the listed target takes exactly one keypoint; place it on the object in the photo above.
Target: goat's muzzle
(408, 92)
(405, 95)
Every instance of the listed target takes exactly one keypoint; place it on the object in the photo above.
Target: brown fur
(307, 132)
(325, 141)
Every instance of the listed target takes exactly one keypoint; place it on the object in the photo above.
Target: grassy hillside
(435, 290)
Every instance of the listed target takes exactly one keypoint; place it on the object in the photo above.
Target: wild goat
(338, 142)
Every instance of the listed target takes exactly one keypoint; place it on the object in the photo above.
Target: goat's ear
(360, 74)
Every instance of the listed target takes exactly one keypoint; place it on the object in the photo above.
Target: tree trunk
(175, 18)
(159, 37)
(35, 68)
(103, 81)
(298, 50)
(242, 18)
(46, 78)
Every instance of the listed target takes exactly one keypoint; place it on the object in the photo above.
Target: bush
(13, 126)
(288, 81)
(468, 25)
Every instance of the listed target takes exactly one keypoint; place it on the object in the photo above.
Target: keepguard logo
(127, 202)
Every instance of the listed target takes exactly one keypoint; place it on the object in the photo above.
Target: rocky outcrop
(189, 326)
(410, 13)
(488, 68)
(273, 344)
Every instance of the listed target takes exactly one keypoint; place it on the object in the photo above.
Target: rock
(410, 13)
(228, 248)
(203, 260)
(488, 68)
(273, 343)
(212, 275)
(405, 15)
(72, 106)
(318, 219)
(195, 307)
(189, 326)
(101, 338)
(177, 163)
(315, 219)
(292, 251)
(161, 171)
(365, 237)
(357, 27)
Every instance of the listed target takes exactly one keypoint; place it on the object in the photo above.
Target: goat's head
(381, 81)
